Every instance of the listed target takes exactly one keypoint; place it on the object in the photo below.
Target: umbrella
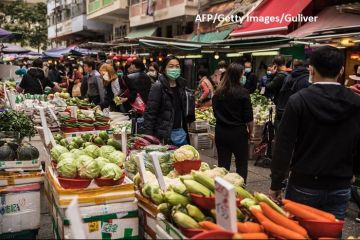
(59, 52)
(4, 33)
(9, 48)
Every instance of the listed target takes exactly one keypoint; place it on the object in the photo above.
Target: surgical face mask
(247, 70)
(222, 70)
(120, 74)
(152, 74)
(243, 80)
(268, 73)
(106, 77)
(173, 73)
(310, 78)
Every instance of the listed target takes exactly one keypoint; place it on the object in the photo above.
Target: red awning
(278, 9)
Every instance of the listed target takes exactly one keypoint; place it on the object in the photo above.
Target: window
(159, 32)
(120, 32)
(169, 31)
(189, 27)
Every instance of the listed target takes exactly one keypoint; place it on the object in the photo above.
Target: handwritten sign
(158, 172)
(93, 226)
(142, 170)
(124, 140)
(225, 202)
(74, 111)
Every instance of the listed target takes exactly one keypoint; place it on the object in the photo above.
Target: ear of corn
(195, 212)
(174, 198)
(204, 180)
(197, 188)
(185, 221)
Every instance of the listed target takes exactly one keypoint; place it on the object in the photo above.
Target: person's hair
(154, 65)
(279, 60)
(110, 70)
(166, 62)
(327, 61)
(203, 72)
(90, 63)
(288, 64)
(139, 64)
(38, 63)
(231, 85)
(298, 63)
(222, 64)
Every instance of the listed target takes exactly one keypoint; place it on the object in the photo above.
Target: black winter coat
(159, 114)
(140, 83)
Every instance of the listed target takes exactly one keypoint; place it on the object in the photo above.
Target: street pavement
(258, 180)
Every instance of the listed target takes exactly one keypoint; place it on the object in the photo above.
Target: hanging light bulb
(144, 60)
(151, 59)
(216, 56)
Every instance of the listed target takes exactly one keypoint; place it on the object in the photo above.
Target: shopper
(205, 89)
(111, 84)
(34, 81)
(234, 120)
(219, 73)
(318, 139)
(251, 79)
(171, 106)
(53, 74)
(297, 80)
(263, 81)
(95, 87)
(74, 84)
(275, 83)
(153, 72)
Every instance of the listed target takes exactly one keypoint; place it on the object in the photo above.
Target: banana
(174, 198)
(204, 180)
(197, 188)
(185, 221)
(195, 212)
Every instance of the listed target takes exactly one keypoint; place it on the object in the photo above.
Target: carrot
(319, 212)
(210, 225)
(249, 227)
(280, 232)
(305, 214)
(259, 235)
(282, 220)
(258, 215)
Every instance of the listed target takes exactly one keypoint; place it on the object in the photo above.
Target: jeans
(332, 201)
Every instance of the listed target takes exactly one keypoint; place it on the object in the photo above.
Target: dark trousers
(332, 201)
(233, 140)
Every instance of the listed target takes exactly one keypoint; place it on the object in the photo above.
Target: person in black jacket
(137, 82)
(171, 106)
(319, 139)
(234, 120)
(251, 79)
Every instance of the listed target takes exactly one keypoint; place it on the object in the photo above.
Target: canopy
(271, 8)
(212, 36)
(59, 52)
(4, 33)
(9, 48)
(142, 32)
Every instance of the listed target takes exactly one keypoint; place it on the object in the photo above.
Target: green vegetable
(92, 151)
(72, 146)
(104, 135)
(67, 168)
(58, 137)
(263, 198)
(111, 170)
(17, 122)
(106, 150)
(86, 137)
(64, 142)
(186, 152)
(57, 151)
(87, 167)
(235, 179)
(99, 141)
(102, 161)
(156, 195)
(155, 148)
(78, 141)
(204, 166)
(6, 153)
(114, 143)
(117, 157)
(66, 155)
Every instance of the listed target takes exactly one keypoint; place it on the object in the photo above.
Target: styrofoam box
(21, 178)
(170, 230)
(20, 208)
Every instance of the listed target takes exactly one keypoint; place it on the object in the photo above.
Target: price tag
(225, 202)
(158, 172)
(73, 110)
(93, 226)
(124, 140)
(262, 92)
(44, 124)
(54, 115)
(76, 224)
(142, 170)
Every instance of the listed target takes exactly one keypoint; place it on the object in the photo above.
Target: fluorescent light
(144, 54)
(262, 50)
(191, 56)
(234, 55)
(207, 51)
(268, 53)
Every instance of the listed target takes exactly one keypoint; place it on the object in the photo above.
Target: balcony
(164, 9)
(107, 10)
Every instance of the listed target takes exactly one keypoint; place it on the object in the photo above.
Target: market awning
(9, 48)
(277, 9)
(142, 32)
(4, 33)
(212, 36)
(330, 21)
(59, 52)
(160, 42)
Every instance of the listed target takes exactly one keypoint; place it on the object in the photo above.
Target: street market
(209, 129)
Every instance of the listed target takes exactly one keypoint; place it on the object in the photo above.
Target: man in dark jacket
(319, 139)
(297, 80)
(251, 79)
(137, 82)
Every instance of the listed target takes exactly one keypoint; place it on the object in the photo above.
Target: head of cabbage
(87, 167)
(117, 157)
(92, 151)
(102, 161)
(65, 155)
(77, 152)
(106, 150)
(111, 170)
(186, 152)
(67, 168)
(57, 151)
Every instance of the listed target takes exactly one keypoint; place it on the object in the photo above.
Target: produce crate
(212, 129)
(147, 217)
(109, 221)
(20, 178)
(200, 140)
(165, 230)
(258, 130)
(199, 126)
(20, 165)
(92, 195)
(20, 208)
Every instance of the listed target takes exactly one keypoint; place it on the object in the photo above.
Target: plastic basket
(200, 140)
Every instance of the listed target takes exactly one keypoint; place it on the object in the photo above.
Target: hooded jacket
(35, 82)
(318, 139)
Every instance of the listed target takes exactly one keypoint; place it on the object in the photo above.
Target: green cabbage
(117, 157)
(111, 170)
(235, 179)
(66, 155)
(57, 151)
(105, 151)
(67, 168)
(87, 167)
(77, 153)
(102, 161)
(186, 152)
(92, 151)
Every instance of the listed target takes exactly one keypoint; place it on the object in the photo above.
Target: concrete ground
(258, 180)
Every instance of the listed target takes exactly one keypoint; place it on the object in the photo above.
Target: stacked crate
(199, 135)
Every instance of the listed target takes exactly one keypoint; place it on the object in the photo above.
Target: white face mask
(106, 77)
(310, 78)
(222, 70)
(152, 74)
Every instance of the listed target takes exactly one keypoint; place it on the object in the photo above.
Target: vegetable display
(17, 122)
(111, 170)
(186, 152)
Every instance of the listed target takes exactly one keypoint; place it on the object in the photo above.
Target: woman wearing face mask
(219, 73)
(111, 84)
(205, 89)
(263, 80)
(234, 120)
(171, 106)
(153, 72)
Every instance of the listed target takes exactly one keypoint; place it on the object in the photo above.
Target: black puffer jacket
(159, 114)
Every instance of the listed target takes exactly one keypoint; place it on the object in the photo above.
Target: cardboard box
(20, 178)
(170, 230)
(20, 208)
(147, 217)
(25, 165)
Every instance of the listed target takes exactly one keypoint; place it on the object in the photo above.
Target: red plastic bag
(139, 104)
